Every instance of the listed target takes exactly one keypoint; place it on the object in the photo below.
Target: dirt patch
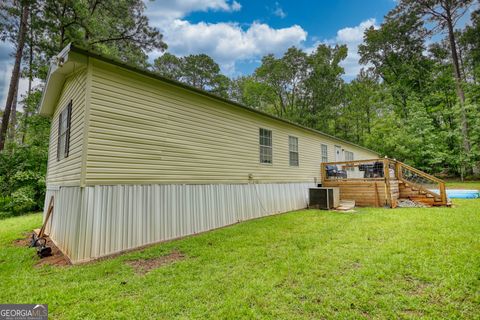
(56, 259)
(24, 242)
(412, 313)
(143, 266)
(417, 287)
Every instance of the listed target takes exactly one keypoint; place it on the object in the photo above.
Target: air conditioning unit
(324, 198)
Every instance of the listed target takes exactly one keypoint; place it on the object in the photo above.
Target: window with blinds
(348, 156)
(266, 146)
(324, 153)
(293, 151)
(64, 122)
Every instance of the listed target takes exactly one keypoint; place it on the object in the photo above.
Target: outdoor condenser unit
(324, 198)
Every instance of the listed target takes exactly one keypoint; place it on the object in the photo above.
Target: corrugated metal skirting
(92, 222)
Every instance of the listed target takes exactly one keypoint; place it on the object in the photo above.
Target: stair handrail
(420, 172)
(440, 182)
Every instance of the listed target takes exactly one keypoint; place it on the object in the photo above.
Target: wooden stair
(411, 192)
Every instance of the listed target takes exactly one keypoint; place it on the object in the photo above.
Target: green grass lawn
(372, 264)
(475, 185)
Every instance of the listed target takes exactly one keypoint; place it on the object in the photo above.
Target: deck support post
(323, 172)
(386, 174)
(443, 193)
(398, 170)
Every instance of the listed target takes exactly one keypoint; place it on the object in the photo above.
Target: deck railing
(384, 169)
(422, 181)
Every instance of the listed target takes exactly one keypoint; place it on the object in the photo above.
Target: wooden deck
(381, 182)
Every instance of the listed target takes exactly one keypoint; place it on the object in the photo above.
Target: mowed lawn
(372, 264)
(475, 185)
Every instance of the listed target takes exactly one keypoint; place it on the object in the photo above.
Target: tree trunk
(462, 64)
(15, 75)
(458, 83)
(30, 80)
(13, 115)
(368, 118)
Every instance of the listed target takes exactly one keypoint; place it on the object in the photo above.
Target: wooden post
(398, 170)
(323, 172)
(386, 174)
(443, 193)
(41, 233)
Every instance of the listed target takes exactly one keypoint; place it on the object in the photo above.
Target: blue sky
(237, 33)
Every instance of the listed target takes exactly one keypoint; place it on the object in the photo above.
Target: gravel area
(407, 203)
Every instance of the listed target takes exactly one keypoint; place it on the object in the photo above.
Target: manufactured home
(135, 158)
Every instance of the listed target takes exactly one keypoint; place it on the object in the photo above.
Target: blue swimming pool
(461, 194)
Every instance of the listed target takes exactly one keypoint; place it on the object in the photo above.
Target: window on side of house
(64, 122)
(349, 157)
(324, 153)
(265, 136)
(293, 151)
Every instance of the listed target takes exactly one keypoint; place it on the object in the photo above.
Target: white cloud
(5, 74)
(6, 63)
(352, 37)
(226, 42)
(354, 34)
(278, 11)
(174, 9)
(229, 43)
(6, 67)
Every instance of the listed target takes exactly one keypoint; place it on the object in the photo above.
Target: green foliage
(252, 93)
(111, 27)
(23, 200)
(116, 28)
(362, 100)
(301, 87)
(169, 66)
(396, 52)
(470, 43)
(196, 70)
(326, 86)
(23, 165)
(22, 178)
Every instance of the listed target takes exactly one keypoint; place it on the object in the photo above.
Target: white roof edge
(52, 87)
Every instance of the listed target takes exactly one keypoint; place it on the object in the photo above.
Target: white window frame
(324, 152)
(63, 135)
(265, 137)
(293, 155)
(349, 156)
